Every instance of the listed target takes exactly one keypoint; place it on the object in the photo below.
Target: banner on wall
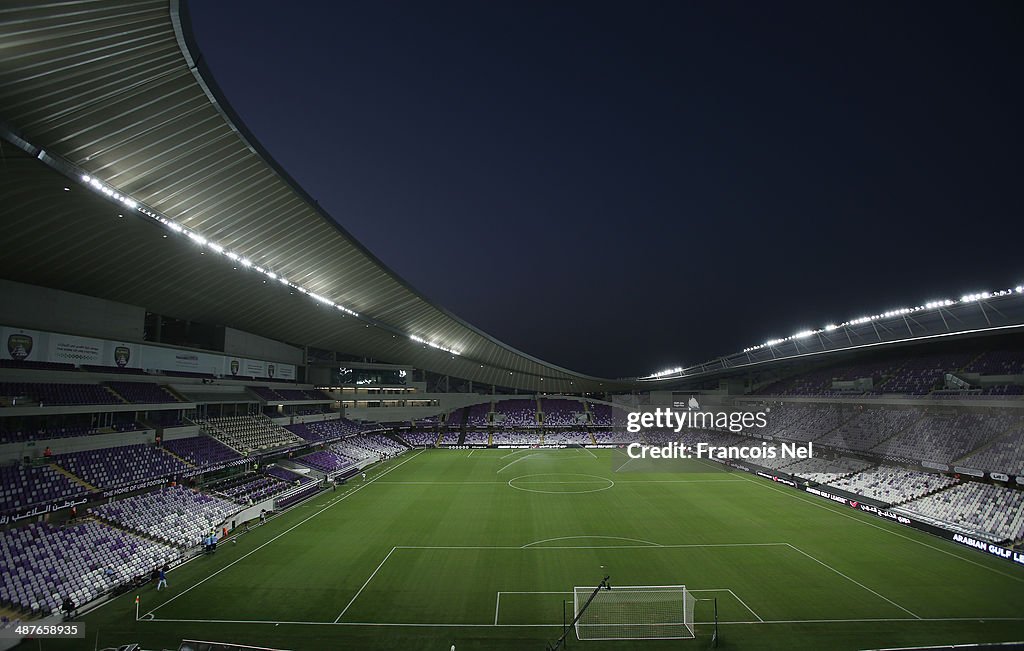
(244, 367)
(186, 361)
(36, 346)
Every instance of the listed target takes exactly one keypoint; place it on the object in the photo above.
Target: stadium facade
(185, 330)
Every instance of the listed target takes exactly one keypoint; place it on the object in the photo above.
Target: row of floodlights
(231, 255)
(667, 372)
(930, 305)
(432, 344)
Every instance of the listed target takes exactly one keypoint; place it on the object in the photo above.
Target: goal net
(635, 612)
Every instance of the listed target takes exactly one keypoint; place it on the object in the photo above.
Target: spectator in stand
(47, 452)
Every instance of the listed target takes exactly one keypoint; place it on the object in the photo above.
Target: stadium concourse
(204, 377)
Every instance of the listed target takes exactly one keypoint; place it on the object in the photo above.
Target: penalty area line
(854, 581)
(365, 583)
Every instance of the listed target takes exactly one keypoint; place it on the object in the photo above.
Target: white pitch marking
(881, 596)
(366, 583)
(538, 542)
(536, 454)
(742, 602)
(246, 555)
(825, 505)
(681, 546)
(456, 625)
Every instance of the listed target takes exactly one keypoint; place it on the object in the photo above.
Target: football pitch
(482, 548)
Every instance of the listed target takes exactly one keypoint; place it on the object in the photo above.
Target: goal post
(635, 612)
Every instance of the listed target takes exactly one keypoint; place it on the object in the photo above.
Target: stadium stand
(559, 412)
(475, 416)
(115, 467)
(610, 437)
(326, 430)
(22, 487)
(248, 434)
(803, 422)
(941, 436)
(567, 437)
(1005, 455)
(600, 415)
(920, 375)
(419, 438)
(327, 461)
(515, 438)
(870, 426)
(824, 471)
(516, 413)
(892, 485)
(285, 474)
(62, 394)
(998, 362)
(201, 451)
(173, 515)
(22, 434)
(250, 488)
(142, 392)
(45, 563)
(984, 510)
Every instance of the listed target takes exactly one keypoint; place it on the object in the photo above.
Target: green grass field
(481, 549)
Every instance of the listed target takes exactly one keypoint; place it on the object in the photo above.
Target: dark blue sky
(622, 187)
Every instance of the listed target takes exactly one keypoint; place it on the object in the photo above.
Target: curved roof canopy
(113, 91)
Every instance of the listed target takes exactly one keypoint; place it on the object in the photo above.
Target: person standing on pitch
(162, 583)
(68, 607)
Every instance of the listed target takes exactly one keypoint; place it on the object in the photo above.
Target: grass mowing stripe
(881, 596)
(301, 522)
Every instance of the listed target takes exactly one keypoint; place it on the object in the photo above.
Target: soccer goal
(634, 612)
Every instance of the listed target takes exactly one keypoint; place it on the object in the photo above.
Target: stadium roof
(132, 179)
(114, 92)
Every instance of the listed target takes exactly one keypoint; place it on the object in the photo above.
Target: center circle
(560, 483)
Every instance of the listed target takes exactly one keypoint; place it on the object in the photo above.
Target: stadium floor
(480, 547)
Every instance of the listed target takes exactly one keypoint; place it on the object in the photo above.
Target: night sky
(617, 188)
